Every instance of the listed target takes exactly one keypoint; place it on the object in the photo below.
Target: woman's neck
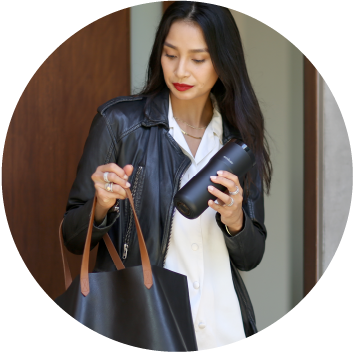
(197, 112)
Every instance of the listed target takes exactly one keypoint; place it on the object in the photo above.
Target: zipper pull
(125, 251)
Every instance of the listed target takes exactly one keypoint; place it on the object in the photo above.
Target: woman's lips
(182, 86)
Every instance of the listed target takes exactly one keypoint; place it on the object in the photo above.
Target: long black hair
(234, 93)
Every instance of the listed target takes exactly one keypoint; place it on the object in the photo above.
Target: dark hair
(233, 91)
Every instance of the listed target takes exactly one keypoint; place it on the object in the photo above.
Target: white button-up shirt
(197, 249)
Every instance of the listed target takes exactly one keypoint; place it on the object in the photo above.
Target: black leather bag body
(143, 306)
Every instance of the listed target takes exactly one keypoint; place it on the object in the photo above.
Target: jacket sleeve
(98, 150)
(247, 247)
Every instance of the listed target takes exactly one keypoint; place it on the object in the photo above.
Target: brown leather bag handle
(84, 279)
(111, 249)
(67, 272)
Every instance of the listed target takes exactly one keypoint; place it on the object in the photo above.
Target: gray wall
(335, 176)
(144, 20)
(276, 70)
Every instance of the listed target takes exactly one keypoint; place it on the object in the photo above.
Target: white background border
(31, 31)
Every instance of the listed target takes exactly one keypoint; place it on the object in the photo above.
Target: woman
(197, 97)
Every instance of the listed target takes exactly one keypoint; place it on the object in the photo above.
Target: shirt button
(194, 247)
(196, 285)
(202, 325)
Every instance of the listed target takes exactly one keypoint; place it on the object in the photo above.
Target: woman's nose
(181, 69)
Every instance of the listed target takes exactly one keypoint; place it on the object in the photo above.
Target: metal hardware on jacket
(133, 130)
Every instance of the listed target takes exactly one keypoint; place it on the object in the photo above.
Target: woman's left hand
(231, 216)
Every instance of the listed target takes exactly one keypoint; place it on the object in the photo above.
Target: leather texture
(135, 130)
(120, 307)
(142, 306)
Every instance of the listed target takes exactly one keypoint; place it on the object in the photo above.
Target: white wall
(276, 71)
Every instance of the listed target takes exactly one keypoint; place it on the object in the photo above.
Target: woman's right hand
(106, 199)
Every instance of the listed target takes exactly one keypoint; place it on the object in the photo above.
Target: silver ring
(231, 204)
(109, 187)
(234, 192)
(105, 177)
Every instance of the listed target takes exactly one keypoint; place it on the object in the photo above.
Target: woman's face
(185, 60)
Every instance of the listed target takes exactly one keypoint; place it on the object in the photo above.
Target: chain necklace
(185, 133)
(197, 128)
(199, 138)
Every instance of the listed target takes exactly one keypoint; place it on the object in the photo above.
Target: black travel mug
(192, 199)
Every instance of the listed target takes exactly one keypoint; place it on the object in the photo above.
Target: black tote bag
(143, 306)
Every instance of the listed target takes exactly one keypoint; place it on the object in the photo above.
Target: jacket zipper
(128, 233)
(173, 213)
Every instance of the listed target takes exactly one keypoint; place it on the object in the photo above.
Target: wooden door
(166, 4)
(46, 137)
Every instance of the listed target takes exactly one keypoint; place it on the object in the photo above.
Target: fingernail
(213, 177)
(125, 177)
(210, 188)
(128, 185)
(220, 172)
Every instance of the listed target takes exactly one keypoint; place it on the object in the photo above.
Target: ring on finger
(231, 203)
(234, 192)
(105, 177)
(109, 187)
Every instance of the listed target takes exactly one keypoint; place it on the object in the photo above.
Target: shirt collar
(216, 122)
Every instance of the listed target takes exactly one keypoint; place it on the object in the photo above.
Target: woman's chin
(185, 95)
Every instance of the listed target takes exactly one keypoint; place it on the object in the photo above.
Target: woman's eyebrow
(191, 50)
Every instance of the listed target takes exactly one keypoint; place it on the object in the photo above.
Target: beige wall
(276, 71)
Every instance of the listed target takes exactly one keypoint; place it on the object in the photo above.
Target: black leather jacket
(128, 130)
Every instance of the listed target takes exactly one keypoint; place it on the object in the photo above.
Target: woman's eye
(199, 61)
(170, 56)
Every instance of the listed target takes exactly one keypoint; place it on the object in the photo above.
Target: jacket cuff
(75, 227)
(102, 224)
(106, 224)
(245, 248)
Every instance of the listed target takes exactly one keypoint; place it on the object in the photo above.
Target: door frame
(311, 176)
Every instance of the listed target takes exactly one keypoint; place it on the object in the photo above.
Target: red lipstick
(182, 86)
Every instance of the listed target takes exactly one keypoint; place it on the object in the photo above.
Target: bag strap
(84, 279)
(112, 252)
(67, 272)
(111, 249)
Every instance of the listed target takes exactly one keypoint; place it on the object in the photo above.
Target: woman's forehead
(186, 35)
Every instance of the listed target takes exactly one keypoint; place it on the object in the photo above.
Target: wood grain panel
(166, 4)
(46, 136)
(310, 176)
